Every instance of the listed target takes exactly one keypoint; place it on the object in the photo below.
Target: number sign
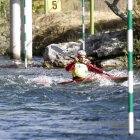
(52, 6)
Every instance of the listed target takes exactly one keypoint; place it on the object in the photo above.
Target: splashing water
(34, 106)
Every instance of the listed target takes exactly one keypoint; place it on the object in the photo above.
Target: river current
(34, 107)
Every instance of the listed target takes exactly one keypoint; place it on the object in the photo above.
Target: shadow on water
(34, 106)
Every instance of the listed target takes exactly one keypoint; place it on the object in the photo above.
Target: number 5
(54, 4)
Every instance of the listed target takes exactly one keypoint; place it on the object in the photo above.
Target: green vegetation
(4, 27)
(136, 52)
(38, 6)
(4, 9)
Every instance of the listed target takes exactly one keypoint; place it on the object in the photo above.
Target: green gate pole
(91, 17)
(130, 67)
(83, 23)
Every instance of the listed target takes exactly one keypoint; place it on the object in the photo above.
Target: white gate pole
(15, 24)
(26, 31)
(28, 14)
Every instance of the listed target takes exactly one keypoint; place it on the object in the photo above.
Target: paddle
(108, 74)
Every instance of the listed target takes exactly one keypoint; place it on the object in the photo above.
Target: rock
(106, 44)
(101, 46)
(113, 47)
(57, 55)
(115, 63)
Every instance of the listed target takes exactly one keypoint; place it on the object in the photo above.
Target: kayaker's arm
(70, 66)
(95, 69)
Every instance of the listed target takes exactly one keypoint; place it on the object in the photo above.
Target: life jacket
(80, 70)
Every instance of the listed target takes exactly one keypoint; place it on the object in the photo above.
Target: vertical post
(15, 24)
(25, 36)
(130, 67)
(46, 6)
(0, 8)
(83, 23)
(27, 31)
(91, 17)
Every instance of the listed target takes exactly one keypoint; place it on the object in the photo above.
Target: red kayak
(116, 79)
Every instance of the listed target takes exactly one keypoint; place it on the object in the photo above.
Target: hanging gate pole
(130, 66)
(27, 41)
(91, 17)
(25, 36)
(83, 23)
(15, 46)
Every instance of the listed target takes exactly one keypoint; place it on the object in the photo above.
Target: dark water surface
(34, 107)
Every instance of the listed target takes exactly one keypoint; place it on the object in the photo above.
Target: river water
(34, 107)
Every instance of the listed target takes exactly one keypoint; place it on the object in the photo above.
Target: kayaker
(80, 66)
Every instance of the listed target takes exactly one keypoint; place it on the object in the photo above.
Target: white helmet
(81, 53)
